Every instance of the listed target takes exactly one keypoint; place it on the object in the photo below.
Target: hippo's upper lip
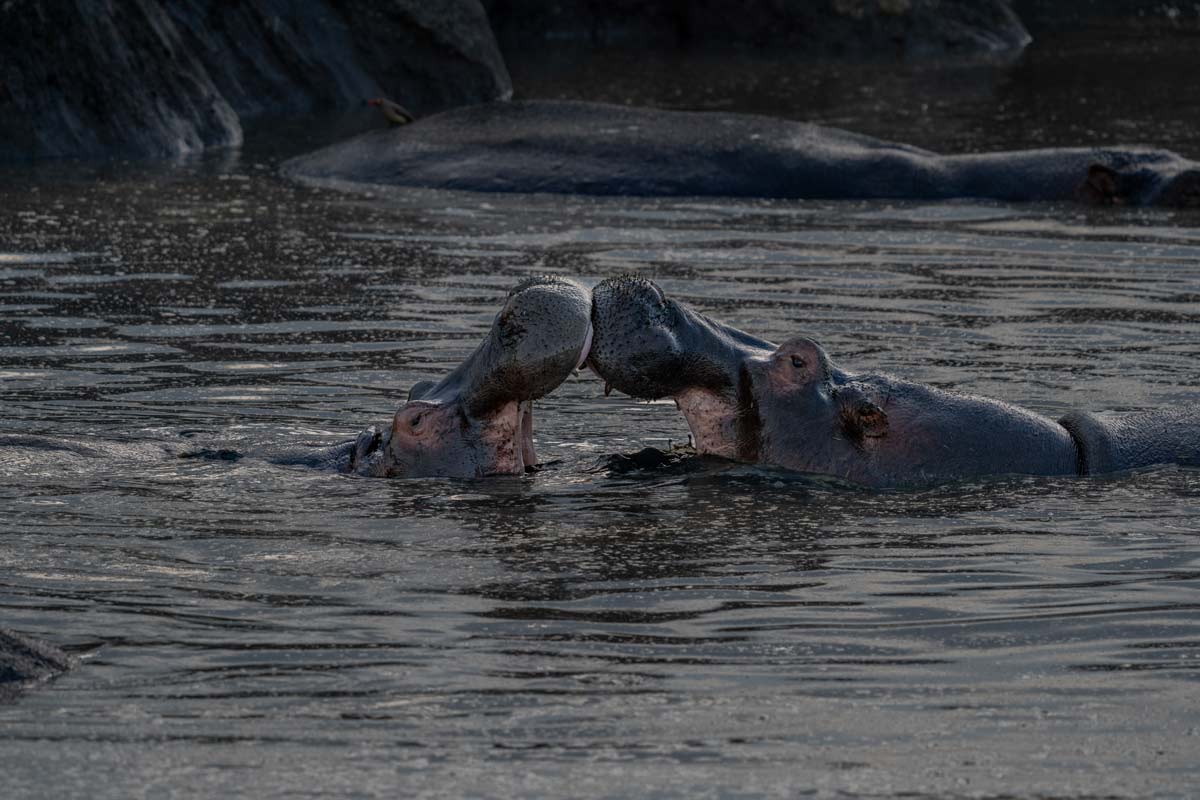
(650, 346)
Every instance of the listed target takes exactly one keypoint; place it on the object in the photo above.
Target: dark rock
(87, 78)
(24, 660)
(856, 28)
(151, 77)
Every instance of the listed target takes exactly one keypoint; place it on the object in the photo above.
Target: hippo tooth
(587, 348)
(607, 388)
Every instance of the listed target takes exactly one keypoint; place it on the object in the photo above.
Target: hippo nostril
(415, 422)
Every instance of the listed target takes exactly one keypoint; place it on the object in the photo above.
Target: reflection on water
(255, 629)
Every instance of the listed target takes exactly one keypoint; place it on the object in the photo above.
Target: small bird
(396, 114)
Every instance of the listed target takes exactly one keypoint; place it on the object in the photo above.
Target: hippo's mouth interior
(524, 438)
(586, 351)
(520, 422)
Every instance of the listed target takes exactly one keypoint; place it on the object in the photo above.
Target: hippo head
(1172, 183)
(647, 345)
(738, 393)
(478, 420)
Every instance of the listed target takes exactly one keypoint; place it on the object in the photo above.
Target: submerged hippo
(478, 420)
(590, 148)
(789, 405)
(24, 661)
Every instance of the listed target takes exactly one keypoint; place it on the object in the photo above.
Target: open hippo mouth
(478, 420)
(649, 346)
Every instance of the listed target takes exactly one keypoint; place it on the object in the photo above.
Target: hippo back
(1113, 442)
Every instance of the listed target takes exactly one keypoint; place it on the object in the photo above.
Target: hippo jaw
(743, 398)
(429, 439)
(649, 346)
(478, 420)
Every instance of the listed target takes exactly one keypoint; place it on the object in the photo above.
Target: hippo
(791, 406)
(25, 661)
(477, 421)
(597, 149)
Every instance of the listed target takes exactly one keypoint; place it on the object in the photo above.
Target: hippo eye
(798, 362)
(415, 422)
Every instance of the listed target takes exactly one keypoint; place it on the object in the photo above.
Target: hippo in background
(25, 661)
(791, 406)
(596, 149)
(478, 420)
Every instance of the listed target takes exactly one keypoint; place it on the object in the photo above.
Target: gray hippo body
(789, 405)
(25, 661)
(590, 148)
(478, 420)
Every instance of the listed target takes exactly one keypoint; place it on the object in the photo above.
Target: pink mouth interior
(525, 435)
(587, 348)
(523, 450)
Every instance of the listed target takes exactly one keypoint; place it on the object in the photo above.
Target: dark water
(255, 630)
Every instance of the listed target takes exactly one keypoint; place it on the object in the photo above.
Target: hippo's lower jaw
(790, 406)
(509, 439)
(505, 448)
(712, 419)
(478, 420)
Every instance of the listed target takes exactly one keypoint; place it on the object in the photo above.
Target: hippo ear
(418, 390)
(862, 418)
(1101, 187)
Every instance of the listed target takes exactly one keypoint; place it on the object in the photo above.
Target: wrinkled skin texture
(24, 661)
(478, 420)
(590, 148)
(789, 405)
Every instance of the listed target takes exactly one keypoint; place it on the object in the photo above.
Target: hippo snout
(635, 346)
(478, 419)
(647, 345)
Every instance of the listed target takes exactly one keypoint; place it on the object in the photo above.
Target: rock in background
(840, 28)
(166, 77)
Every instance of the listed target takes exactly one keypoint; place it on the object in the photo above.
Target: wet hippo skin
(590, 148)
(478, 420)
(791, 406)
